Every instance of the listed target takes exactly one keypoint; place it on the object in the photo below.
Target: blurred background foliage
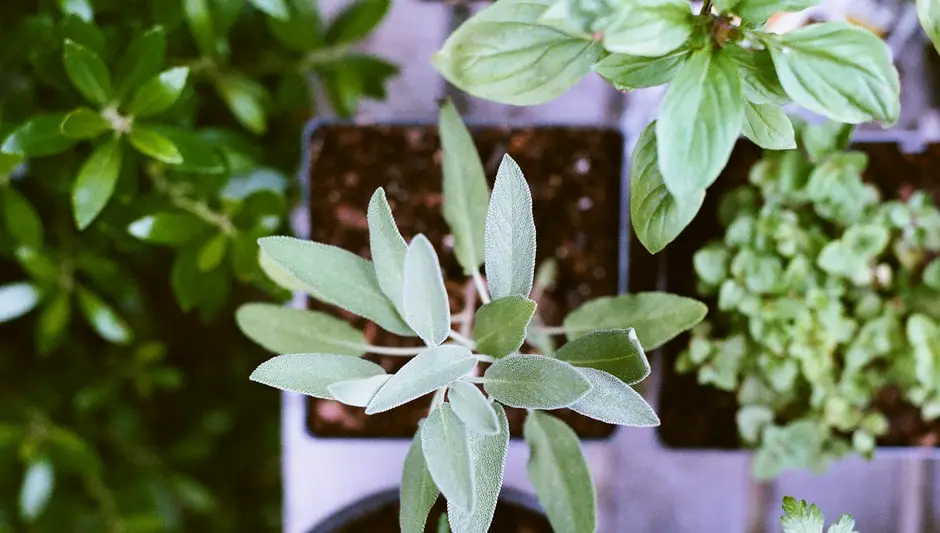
(144, 146)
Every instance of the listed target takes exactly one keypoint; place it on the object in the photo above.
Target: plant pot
(701, 417)
(516, 512)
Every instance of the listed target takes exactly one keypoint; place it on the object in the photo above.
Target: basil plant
(461, 445)
(802, 517)
(727, 76)
(826, 297)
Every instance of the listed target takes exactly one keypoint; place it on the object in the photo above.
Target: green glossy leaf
(199, 156)
(928, 12)
(418, 491)
(142, 60)
(17, 299)
(388, 248)
(22, 220)
(447, 452)
(657, 317)
(840, 71)
(768, 127)
(88, 73)
(699, 122)
(213, 252)
(488, 456)
(159, 93)
(658, 217)
(83, 123)
(246, 100)
(509, 244)
(274, 8)
(151, 143)
(466, 194)
(628, 72)
(284, 330)
(356, 21)
(560, 475)
(338, 277)
(172, 228)
(313, 373)
(84, 33)
(535, 382)
(426, 372)
(53, 323)
(425, 304)
(473, 408)
(103, 319)
(503, 54)
(499, 327)
(38, 137)
(650, 29)
(758, 11)
(358, 392)
(199, 20)
(302, 31)
(95, 182)
(36, 491)
(80, 8)
(9, 162)
(614, 402)
(38, 265)
(616, 351)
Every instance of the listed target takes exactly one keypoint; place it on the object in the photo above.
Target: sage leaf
(466, 194)
(657, 317)
(151, 143)
(38, 484)
(488, 456)
(617, 352)
(499, 327)
(95, 182)
(22, 220)
(759, 81)
(628, 72)
(83, 123)
(103, 319)
(281, 277)
(88, 72)
(284, 330)
(650, 29)
(425, 303)
(699, 122)
(387, 247)
(758, 11)
(418, 491)
(172, 228)
(447, 452)
(40, 136)
(473, 408)
(338, 277)
(504, 54)
(560, 475)
(658, 217)
(839, 71)
(312, 373)
(928, 12)
(768, 127)
(159, 93)
(273, 8)
(357, 392)
(509, 245)
(17, 299)
(428, 371)
(534, 382)
(614, 402)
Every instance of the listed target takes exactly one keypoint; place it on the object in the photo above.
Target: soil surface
(574, 174)
(694, 416)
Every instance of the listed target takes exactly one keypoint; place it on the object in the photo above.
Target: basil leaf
(559, 472)
(357, 392)
(151, 143)
(840, 71)
(83, 123)
(699, 122)
(626, 72)
(614, 402)
(338, 277)
(509, 245)
(159, 93)
(759, 81)
(273, 8)
(499, 327)
(488, 456)
(534, 382)
(657, 216)
(758, 11)
(426, 307)
(447, 452)
(617, 352)
(418, 491)
(17, 299)
(650, 29)
(168, 228)
(503, 54)
(103, 319)
(21, 218)
(768, 127)
(928, 12)
(39, 136)
(88, 72)
(283, 330)
(657, 317)
(429, 370)
(312, 373)
(473, 408)
(95, 182)
(387, 247)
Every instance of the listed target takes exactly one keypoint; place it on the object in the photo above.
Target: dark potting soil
(574, 175)
(695, 416)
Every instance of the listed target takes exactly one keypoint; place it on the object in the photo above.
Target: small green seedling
(800, 517)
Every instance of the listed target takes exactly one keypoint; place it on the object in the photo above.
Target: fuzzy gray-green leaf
(510, 234)
(418, 491)
(488, 455)
(500, 326)
(425, 305)
(614, 402)
(429, 370)
(312, 373)
(284, 330)
(387, 247)
(473, 408)
(535, 382)
(560, 475)
(928, 12)
(357, 392)
(447, 452)
(338, 277)
(616, 351)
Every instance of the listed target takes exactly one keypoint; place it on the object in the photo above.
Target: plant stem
(481, 287)
(461, 340)
(438, 398)
(706, 8)
(478, 381)
(196, 207)
(391, 350)
(550, 330)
